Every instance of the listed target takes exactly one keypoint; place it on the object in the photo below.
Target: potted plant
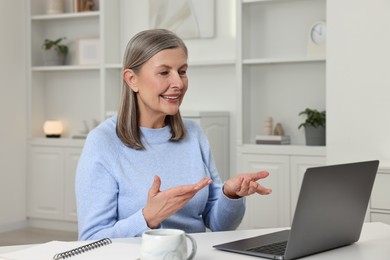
(54, 52)
(314, 126)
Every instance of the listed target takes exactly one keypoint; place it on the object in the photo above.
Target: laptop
(330, 213)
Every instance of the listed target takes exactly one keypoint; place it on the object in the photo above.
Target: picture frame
(190, 19)
(88, 51)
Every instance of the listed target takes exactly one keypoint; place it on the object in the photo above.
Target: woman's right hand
(163, 204)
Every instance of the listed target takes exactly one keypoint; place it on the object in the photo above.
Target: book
(48, 251)
(272, 139)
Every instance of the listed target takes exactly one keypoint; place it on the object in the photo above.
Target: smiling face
(160, 86)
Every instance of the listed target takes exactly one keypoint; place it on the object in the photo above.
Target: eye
(183, 72)
(164, 73)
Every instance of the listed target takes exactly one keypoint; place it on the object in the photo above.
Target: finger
(202, 183)
(263, 190)
(190, 189)
(155, 188)
(253, 186)
(259, 175)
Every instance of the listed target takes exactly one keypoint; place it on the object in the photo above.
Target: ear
(131, 79)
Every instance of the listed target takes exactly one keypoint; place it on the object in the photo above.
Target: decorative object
(53, 129)
(279, 129)
(87, 127)
(85, 5)
(55, 6)
(272, 139)
(187, 18)
(317, 39)
(88, 51)
(54, 52)
(267, 126)
(314, 125)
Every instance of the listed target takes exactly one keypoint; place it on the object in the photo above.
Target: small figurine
(279, 129)
(88, 5)
(267, 127)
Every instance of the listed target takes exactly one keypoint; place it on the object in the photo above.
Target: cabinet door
(298, 167)
(271, 210)
(72, 156)
(46, 182)
(380, 202)
(217, 132)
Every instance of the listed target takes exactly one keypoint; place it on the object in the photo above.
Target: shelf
(191, 63)
(56, 142)
(65, 16)
(66, 68)
(283, 60)
(284, 149)
(113, 66)
(259, 1)
(212, 63)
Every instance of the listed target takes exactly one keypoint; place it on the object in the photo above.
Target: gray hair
(139, 50)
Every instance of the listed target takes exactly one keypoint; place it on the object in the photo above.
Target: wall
(13, 115)
(358, 80)
(210, 87)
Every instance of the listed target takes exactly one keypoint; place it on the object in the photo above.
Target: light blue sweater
(113, 181)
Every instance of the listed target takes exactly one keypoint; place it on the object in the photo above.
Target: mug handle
(194, 247)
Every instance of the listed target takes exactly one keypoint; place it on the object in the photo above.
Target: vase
(55, 6)
(53, 57)
(315, 136)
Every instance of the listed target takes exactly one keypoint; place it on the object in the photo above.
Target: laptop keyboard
(273, 249)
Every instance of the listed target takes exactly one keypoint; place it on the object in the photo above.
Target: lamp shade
(53, 128)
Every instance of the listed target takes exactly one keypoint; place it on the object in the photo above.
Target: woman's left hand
(245, 184)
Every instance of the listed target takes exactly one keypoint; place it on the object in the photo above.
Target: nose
(178, 81)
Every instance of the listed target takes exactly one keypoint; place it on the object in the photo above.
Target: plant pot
(53, 57)
(315, 136)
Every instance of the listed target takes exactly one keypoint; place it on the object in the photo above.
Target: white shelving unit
(277, 78)
(73, 93)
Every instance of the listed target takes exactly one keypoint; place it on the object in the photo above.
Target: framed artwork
(187, 18)
(88, 51)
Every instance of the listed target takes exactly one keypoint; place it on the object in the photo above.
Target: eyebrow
(170, 67)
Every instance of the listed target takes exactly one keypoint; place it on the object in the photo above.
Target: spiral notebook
(78, 250)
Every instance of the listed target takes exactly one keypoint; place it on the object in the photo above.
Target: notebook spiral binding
(82, 249)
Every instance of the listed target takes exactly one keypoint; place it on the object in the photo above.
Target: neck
(150, 123)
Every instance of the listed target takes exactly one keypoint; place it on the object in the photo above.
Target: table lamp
(53, 129)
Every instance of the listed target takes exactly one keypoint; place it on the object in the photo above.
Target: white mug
(166, 244)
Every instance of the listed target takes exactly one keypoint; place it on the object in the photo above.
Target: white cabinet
(215, 125)
(72, 93)
(51, 193)
(380, 203)
(45, 183)
(272, 210)
(278, 78)
(286, 168)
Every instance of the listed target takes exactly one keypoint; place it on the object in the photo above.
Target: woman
(146, 168)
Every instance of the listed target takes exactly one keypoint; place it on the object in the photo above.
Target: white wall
(358, 80)
(13, 115)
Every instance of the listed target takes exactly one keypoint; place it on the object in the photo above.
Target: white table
(374, 243)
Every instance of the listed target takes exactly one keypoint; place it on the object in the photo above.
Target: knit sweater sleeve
(97, 193)
(221, 213)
